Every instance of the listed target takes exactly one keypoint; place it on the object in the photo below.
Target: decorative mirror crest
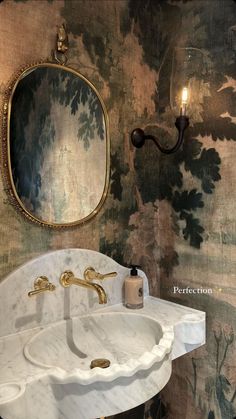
(55, 142)
(62, 46)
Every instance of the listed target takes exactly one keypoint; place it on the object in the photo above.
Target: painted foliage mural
(173, 215)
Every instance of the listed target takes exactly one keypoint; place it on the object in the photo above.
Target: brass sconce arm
(67, 279)
(90, 274)
(41, 284)
(138, 136)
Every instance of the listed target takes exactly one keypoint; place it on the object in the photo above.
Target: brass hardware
(62, 39)
(67, 279)
(62, 45)
(90, 274)
(100, 363)
(41, 284)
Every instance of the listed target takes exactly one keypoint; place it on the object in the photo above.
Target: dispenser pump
(134, 270)
(133, 289)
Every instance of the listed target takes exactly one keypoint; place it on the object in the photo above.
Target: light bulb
(184, 101)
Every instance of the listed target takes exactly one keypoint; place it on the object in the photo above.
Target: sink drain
(100, 363)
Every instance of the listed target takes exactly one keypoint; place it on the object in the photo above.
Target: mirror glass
(58, 145)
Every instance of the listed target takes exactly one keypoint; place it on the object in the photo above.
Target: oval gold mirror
(58, 146)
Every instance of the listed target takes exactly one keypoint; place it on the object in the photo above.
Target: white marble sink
(130, 341)
(48, 341)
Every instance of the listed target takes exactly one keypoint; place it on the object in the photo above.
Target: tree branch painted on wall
(219, 391)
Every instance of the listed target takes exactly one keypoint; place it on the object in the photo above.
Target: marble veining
(131, 342)
(21, 312)
(47, 342)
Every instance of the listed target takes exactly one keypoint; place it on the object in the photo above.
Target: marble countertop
(31, 390)
(188, 325)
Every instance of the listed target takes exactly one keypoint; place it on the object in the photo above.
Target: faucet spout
(102, 297)
(67, 279)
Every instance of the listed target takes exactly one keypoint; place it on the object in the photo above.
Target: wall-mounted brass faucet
(41, 284)
(90, 274)
(67, 279)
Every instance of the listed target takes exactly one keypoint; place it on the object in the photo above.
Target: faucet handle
(90, 274)
(41, 284)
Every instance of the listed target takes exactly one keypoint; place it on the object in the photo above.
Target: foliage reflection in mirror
(57, 146)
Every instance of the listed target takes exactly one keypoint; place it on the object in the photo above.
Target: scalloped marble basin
(129, 341)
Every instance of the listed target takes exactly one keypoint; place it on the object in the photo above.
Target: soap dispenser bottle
(133, 289)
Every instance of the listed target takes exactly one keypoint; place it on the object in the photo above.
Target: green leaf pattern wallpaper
(173, 215)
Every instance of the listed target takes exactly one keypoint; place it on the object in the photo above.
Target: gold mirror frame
(5, 145)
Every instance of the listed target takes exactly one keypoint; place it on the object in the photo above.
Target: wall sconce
(189, 67)
(138, 136)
